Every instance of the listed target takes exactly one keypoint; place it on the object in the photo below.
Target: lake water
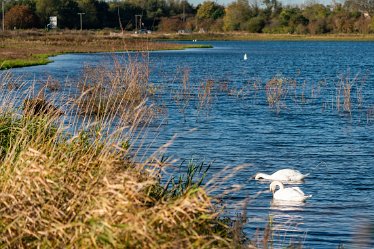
(306, 129)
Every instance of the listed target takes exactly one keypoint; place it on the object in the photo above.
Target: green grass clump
(39, 59)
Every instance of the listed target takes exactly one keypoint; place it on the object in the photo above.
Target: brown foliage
(20, 17)
(170, 24)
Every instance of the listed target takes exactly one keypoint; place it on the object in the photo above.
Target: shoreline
(34, 47)
(244, 36)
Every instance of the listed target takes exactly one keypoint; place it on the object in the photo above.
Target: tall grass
(183, 94)
(74, 180)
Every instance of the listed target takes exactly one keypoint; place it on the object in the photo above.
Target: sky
(284, 2)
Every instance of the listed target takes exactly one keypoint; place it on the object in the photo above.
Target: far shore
(244, 36)
(20, 48)
(34, 47)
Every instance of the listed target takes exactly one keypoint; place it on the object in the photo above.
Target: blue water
(238, 127)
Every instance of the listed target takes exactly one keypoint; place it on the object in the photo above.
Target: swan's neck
(262, 176)
(273, 186)
(279, 184)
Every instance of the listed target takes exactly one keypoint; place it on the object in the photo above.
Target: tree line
(268, 16)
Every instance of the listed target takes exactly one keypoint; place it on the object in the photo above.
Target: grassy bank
(26, 48)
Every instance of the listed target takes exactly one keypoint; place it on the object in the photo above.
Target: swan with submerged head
(287, 194)
(286, 175)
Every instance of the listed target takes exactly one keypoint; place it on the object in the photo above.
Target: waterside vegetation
(27, 48)
(23, 48)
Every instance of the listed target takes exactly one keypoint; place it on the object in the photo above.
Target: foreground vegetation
(71, 176)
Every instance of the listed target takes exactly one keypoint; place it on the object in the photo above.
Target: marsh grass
(205, 97)
(122, 92)
(23, 48)
(348, 96)
(276, 92)
(183, 93)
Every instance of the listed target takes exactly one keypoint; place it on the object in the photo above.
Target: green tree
(124, 13)
(88, 7)
(45, 9)
(236, 14)
(102, 13)
(292, 18)
(272, 8)
(210, 10)
(207, 15)
(317, 14)
(255, 24)
(67, 14)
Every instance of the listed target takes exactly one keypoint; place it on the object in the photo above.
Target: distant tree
(210, 10)
(292, 18)
(361, 5)
(155, 8)
(317, 15)
(272, 8)
(91, 17)
(124, 13)
(176, 7)
(29, 3)
(236, 14)
(255, 24)
(68, 14)
(342, 20)
(45, 9)
(102, 13)
(170, 24)
(207, 14)
(20, 17)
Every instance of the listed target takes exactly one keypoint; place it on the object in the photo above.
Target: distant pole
(80, 15)
(2, 6)
(184, 15)
(138, 22)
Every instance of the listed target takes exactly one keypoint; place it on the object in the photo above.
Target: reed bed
(348, 96)
(71, 174)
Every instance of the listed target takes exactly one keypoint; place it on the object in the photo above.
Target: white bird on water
(287, 194)
(245, 57)
(284, 175)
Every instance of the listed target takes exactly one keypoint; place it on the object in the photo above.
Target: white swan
(285, 175)
(287, 194)
(245, 57)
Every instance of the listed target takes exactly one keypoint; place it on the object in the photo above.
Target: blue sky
(284, 2)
